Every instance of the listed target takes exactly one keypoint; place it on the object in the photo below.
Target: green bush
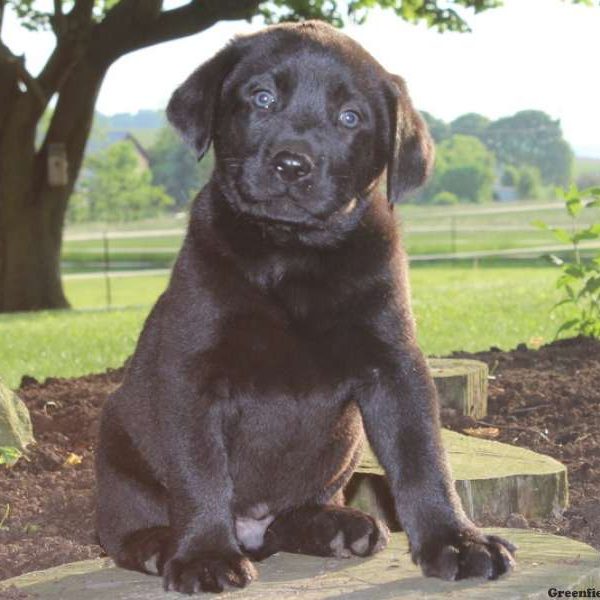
(579, 278)
(510, 176)
(464, 167)
(445, 199)
(529, 183)
(116, 187)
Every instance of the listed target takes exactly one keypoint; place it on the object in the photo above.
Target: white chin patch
(349, 207)
(250, 530)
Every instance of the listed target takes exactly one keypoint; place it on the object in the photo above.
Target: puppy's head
(304, 123)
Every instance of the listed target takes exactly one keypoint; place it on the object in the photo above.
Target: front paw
(469, 553)
(208, 573)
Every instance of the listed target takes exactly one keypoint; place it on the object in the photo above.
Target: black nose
(291, 166)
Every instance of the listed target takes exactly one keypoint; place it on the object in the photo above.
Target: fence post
(107, 287)
(453, 234)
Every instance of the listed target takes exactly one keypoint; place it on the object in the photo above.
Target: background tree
(465, 168)
(116, 187)
(529, 183)
(90, 36)
(531, 137)
(470, 124)
(445, 199)
(176, 169)
(439, 129)
(510, 176)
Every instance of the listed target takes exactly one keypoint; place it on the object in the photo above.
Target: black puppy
(286, 320)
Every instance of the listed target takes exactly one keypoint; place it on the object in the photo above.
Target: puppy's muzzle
(291, 166)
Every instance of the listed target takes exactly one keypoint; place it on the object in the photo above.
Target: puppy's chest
(295, 357)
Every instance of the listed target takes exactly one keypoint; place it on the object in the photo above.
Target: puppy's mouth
(286, 210)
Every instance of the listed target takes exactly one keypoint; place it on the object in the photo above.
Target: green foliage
(531, 137)
(445, 199)
(529, 145)
(439, 130)
(464, 167)
(441, 15)
(9, 455)
(510, 176)
(37, 16)
(529, 183)
(470, 124)
(580, 279)
(116, 186)
(175, 168)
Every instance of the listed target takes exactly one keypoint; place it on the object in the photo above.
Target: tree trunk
(31, 211)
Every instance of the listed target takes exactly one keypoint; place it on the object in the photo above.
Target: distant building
(505, 193)
(114, 137)
(502, 192)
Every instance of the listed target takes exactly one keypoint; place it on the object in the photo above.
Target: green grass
(66, 343)
(457, 308)
(131, 292)
(474, 308)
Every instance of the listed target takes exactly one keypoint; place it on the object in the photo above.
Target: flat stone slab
(462, 384)
(544, 561)
(493, 480)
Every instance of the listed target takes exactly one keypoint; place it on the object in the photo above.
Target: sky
(529, 54)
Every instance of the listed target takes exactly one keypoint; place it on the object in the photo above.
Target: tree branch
(191, 18)
(17, 64)
(73, 32)
(58, 21)
(57, 68)
(82, 9)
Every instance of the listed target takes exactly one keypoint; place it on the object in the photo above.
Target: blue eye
(349, 118)
(263, 99)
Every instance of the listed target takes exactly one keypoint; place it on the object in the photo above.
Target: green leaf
(593, 191)
(9, 455)
(566, 325)
(562, 235)
(565, 280)
(570, 292)
(592, 286)
(574, 204)
(574, 271)
(540, 224)
(562, 303)
(591, 233)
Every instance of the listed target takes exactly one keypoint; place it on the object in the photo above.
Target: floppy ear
(411, 150)
(192, 107)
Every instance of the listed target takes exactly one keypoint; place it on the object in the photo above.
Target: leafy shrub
(116, 186)
(579, 278)
(528, 183)
(510, 176)
(445, 199)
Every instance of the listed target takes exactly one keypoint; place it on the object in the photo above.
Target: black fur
(286, 325)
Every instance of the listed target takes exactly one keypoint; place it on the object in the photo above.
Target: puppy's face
(304, 123)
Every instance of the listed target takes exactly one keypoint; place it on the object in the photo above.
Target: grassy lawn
(457, 307)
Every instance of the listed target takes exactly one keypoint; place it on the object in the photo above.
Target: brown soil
(547, 400)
